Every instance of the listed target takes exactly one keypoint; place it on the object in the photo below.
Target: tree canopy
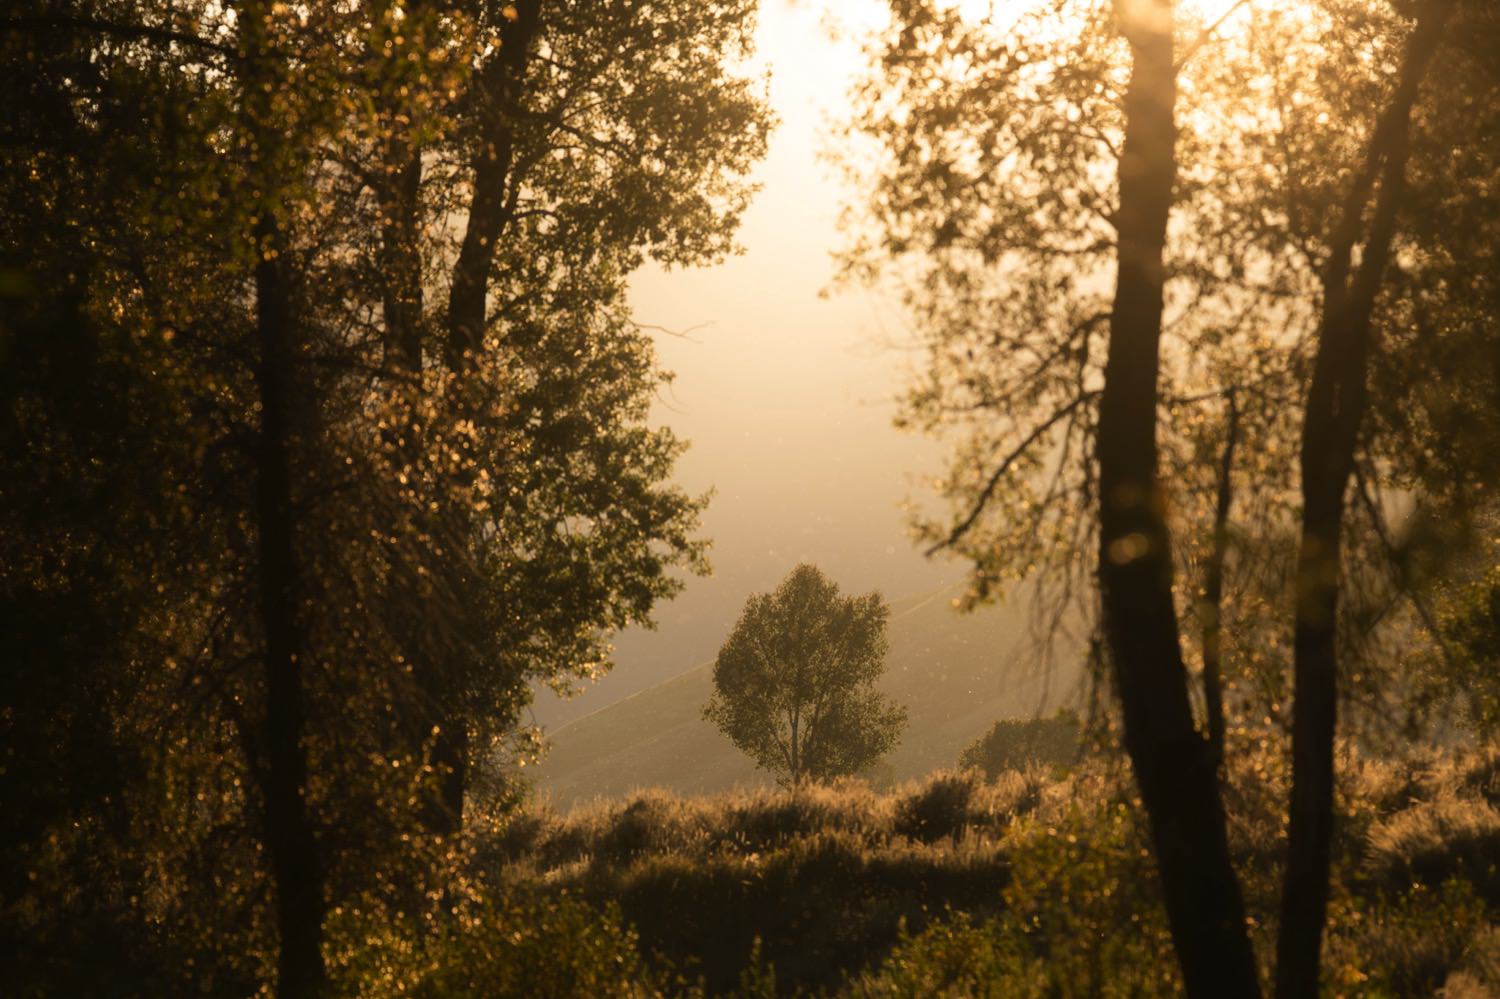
(325, 435)
(795, 683)
(1175, 278)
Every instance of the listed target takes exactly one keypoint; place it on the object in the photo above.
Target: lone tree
(794, 685)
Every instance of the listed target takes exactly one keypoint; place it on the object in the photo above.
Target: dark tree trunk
(398, 190)
(1336, 404)
(1211, 606)
(401, 253)
(288, 828)
(501, 82)
(290, 842)
(1173, 764)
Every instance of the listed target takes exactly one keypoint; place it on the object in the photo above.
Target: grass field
(1036, 883)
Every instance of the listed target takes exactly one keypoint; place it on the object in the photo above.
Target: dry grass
(840, 887)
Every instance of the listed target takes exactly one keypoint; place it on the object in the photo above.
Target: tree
(1015, 743)
(289, 556)
(1030, 167)
(1174, 767)
(794, 685)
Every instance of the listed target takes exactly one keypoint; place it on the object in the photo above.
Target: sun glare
(1224, 14)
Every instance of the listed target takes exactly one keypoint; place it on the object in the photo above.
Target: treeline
(324, 436)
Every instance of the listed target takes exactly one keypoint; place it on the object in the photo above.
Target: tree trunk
(401, 252)
(1173, 764)
(398, 190)
(296, 870)
(1336, 403)
(288, 828)
(1211, 606)
(502, 80)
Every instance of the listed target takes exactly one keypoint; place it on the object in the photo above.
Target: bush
(937, 809)
(491, 945)
(1017, 744)
(1433, 842)
(954, 957)
(1408, 944)
(1033, 884)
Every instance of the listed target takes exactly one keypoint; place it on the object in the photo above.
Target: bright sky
(786, 397)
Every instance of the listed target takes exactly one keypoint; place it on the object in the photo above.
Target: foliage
(1049, 889)
(1012, 744)
(1041, 175)
(1470, 626)
(794, 684)
(984, 151)
(939, 810)
(492, 944)
(275, 558)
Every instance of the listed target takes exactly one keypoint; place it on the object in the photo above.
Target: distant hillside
(956, 673)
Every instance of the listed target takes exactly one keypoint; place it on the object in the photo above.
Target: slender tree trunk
(435, 657)
(1336, 404)
(289, 835)
(1211, 606)
(399, 192)
(1173, 764)
(502, 80)
(291, 845)
(401, 257)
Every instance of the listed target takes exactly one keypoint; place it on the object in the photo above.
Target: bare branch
(140, 32)
(1010, 459)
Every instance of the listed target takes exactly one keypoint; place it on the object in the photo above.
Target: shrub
(953, 957)
(1013, 744)
(1435, 841)
(937, 809)
(492, 944)
(1408, 944)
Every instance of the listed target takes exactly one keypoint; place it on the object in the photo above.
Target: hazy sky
(785, 396)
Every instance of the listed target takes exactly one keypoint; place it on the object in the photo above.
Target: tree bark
(288, 827)
(399, 189)
(291, 845)
(1336, 404)
(401, 253)
(1211, 606)
(502, 80)
(1172, 762)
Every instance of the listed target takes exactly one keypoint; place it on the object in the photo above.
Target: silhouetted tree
(1027, 168)
(794, 684)
(276, 558)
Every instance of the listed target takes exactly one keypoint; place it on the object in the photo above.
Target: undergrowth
(1036, 883)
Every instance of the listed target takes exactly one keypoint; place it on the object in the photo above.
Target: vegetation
(1154, 254)
(794, 684)
(325, 436)
(1013, 744)
(1017, 886)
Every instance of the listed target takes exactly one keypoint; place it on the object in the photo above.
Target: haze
(786, 396)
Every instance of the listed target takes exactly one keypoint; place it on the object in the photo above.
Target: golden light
(1224, 15)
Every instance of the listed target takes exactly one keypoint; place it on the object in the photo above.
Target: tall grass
(1035, 883)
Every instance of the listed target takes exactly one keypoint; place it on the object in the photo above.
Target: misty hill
(955, 673)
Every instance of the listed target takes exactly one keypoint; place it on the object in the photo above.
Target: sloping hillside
(956, 674)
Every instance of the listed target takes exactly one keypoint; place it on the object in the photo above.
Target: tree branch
(1005, 465)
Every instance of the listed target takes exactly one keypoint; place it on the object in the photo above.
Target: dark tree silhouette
(1332, 422)
(794, 684)
(1174, 766)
